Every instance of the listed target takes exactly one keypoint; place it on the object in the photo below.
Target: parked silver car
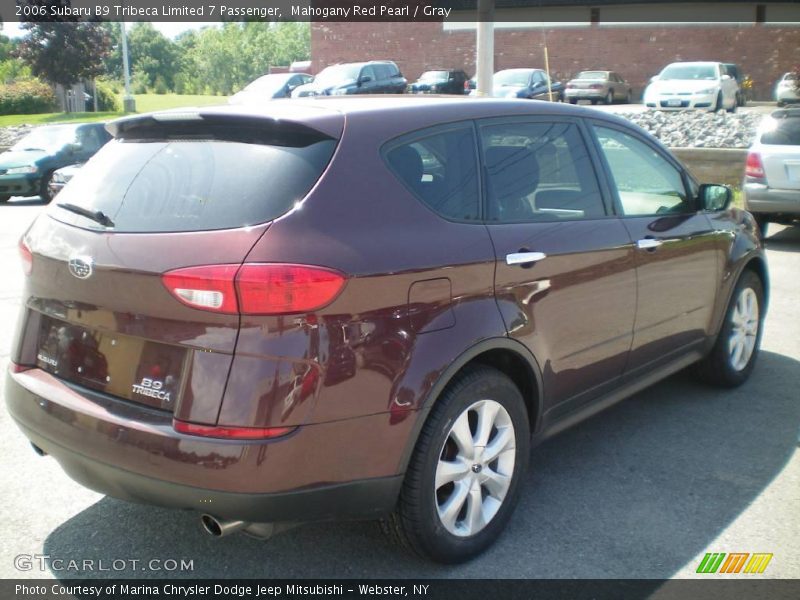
(772, 174)
(605, 86)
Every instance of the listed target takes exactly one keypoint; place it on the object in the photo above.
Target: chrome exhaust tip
(220, 528)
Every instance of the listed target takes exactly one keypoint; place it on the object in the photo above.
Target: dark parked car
(270, 87)
(61, 177)
(526, 83)
(26, 168)
(375, 77)
(379, 320)
(598, 86)
(440, 82)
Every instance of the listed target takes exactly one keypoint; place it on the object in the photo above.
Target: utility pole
(128, 102)
(485, 47)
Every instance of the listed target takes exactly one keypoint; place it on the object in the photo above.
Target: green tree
(153, 56)
(65, 51)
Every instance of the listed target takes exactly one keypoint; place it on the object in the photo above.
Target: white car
(786, 90)
(692, 85)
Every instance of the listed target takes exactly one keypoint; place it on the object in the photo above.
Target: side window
(89, 139)
(441, 170)
(538, 79)
(381, 72)
(367, 72)
(647, 184)
(538, 172)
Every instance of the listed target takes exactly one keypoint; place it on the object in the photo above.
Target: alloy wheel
(475, 468)
(744, 330)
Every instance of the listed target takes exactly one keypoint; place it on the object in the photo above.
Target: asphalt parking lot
(642, 490)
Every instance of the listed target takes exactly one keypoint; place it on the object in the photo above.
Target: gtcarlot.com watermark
(46, 562)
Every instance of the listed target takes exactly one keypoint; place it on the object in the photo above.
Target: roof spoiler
(217, 125)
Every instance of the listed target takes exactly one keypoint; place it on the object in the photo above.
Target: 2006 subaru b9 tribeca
(367, 308)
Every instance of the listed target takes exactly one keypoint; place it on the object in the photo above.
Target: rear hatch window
(194, 177)
(786, 132)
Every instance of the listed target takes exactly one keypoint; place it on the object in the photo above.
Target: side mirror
(364, 79)
(714, 197)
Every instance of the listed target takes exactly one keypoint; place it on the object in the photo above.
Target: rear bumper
(585, 94)
(325, 471)
(759, 198)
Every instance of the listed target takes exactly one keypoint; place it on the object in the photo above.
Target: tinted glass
(592, 75)
(441, 170)
(50, 138)
(192, 185)
(647, 184)
(689, 72)
(786, 132)
(538, 172)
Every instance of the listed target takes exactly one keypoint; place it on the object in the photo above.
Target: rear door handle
(524, 258)
(648, 244)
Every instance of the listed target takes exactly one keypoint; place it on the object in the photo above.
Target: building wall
(763, 51)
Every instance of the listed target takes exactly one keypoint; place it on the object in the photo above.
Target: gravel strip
(690, 129)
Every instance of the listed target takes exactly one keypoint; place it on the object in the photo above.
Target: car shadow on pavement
(785, 240)
(635, 492)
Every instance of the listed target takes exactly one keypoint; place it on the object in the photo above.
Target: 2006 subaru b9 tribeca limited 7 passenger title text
(367, 307)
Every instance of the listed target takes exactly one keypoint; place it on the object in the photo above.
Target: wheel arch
(506, 355)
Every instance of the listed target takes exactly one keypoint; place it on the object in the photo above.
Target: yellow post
(547, 68)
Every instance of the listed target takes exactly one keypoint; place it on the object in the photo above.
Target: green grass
(144, 103)
(151, 102)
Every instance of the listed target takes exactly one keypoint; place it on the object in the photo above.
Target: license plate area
(793, 170)
(674, 102)
(128, 367)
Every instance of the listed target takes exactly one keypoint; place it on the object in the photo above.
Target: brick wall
(637, 52)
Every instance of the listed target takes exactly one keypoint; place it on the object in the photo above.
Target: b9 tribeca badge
(152, 388)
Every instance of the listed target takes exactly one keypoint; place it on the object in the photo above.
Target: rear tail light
(231, 433)
(15, 368)
(754, 167)
(207, 288)
(596, 86)
(255, 289)
(26, 256)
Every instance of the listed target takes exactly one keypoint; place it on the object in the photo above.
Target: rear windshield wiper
(98, 216)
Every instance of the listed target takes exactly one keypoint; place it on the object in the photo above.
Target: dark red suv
(367, 307)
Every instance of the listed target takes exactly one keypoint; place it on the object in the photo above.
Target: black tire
(4, 199)
(718, 105)
(593, 101)
(573, 100)
(609, 99)
(44, 187)
(416, 523)
(781, 104)
(717, 368)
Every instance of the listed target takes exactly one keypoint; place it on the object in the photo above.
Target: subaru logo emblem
(81, 266)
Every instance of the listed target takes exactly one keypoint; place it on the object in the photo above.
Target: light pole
(485, 47)
(128, 102)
